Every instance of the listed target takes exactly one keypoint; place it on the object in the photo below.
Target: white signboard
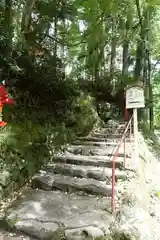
(135, 97)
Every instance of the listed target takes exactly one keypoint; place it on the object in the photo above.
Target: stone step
(58, 206)
(48, 181)
(96, 151)
(99, 161)
(100, 135)
(101, 138)
(57, 215)
(98, 173)
(116, 125)
(104, 136)
(96, 139)
(98, 143)
(109, 130)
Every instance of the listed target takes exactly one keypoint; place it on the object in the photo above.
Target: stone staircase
(70, 198)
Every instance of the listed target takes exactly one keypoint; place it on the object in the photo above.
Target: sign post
(135, 100)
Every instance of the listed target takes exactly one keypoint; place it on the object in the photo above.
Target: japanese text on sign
(135, 97)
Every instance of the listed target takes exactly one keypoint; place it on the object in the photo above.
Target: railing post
(130, 131)
(124, 141)
(115, 154)
(113, 204)
(135, 131)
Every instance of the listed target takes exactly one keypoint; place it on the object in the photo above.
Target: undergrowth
(29, 141)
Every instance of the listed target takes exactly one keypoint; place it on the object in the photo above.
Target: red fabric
(4, 99)
(3, 124)
(9, 101)
(3, 93)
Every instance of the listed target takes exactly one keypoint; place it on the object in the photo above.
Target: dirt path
(152, 179)
(153, 182)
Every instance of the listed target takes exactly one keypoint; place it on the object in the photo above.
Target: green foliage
(86, 115)
(153, 3)
(156, 96)
(158, 194)
(26, 145)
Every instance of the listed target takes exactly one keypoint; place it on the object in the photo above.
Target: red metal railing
(115, 155)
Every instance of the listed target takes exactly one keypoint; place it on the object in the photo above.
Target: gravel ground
(12, 236)
(5, 235)
(139, 215)
(153, 182)
(152, 178)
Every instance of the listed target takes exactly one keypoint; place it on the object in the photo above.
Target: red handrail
(115, 154)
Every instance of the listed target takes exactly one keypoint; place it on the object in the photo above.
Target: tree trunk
(143, 61)
(140, 45)
(150, 90)
(55, 42)
(125, 51)
(113, 49)
(55, 35)
(151, 113)
(17, 19)
(139, 59)
(26, 17)
(8, 14)
(7, 25)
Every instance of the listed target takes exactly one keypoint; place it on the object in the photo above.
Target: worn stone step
(98, 143)
(96, 151)
(95, 139)
(98, 173)
(57, 215)
(109, 130)
(103, 136)
(99, 161)
(114, 124)
(48, 181)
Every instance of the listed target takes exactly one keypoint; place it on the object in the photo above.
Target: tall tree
(7, 25)
(26, 17)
